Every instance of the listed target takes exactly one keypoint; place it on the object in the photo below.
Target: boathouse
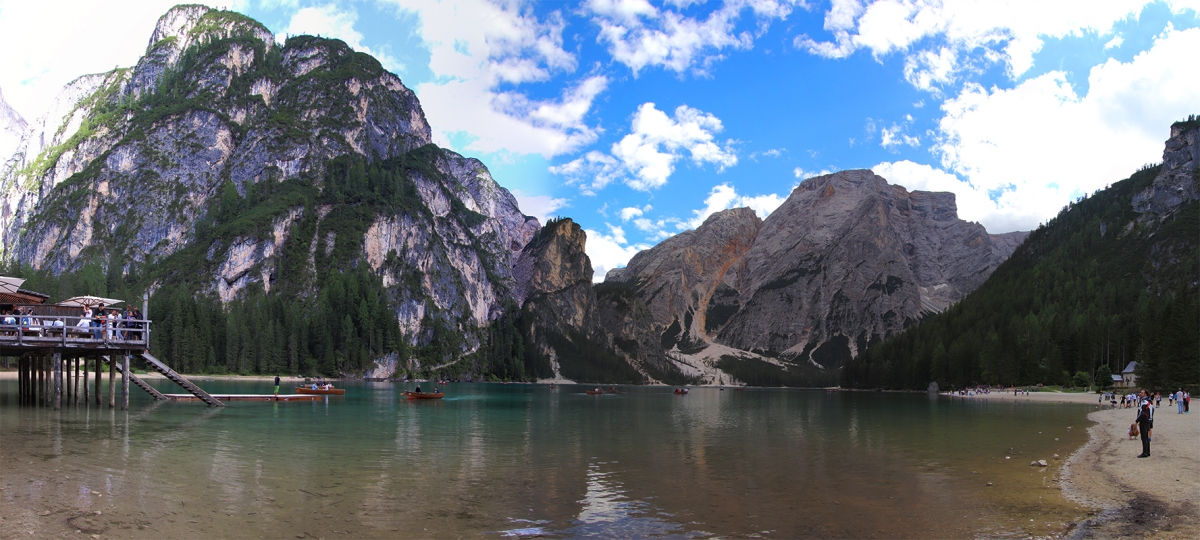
(62, 352)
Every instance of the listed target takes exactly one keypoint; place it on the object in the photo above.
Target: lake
(500, 460)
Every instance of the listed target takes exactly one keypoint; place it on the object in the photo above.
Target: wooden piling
(21, 380)
(58, 381)
(99, 374)
(112, 379)
(125, 383)
(86, 393)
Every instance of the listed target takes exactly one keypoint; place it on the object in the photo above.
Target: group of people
(1181, 400)
(112, 323)
(104, 323)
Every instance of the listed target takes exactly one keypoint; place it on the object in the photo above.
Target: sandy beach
(1157, 497)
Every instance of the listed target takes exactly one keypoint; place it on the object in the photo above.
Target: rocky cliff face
(225, 159)
(845, 261)
(1176, 184)
(12, 125)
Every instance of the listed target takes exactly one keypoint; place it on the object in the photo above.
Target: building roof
(23, 297)
(1116, 378)
(1130, 367)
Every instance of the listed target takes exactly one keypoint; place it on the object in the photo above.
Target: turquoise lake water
(498, 460)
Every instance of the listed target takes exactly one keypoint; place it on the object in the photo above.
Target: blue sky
(639, 118)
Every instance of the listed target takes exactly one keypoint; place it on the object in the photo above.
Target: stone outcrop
(1176, 183)
(12, 125)
(847, 260)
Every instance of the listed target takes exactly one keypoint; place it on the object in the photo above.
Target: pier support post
(112, 381)
(75, 390)
(125, 382)
(58, 381)
(98, 375)
(21, 380)
(41, 380)
(87, 395)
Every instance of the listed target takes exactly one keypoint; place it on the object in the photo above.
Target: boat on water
(681, 391)
(424, 395)
(596, 392)
(322, 389)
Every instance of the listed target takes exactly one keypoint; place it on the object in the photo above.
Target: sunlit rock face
(132, 166)
(846, 260)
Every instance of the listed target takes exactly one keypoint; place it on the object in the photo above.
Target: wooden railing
(65, 331)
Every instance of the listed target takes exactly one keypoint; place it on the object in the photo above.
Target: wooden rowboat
(595, 392)
(320, 390)
(681, 391)
(424, 395)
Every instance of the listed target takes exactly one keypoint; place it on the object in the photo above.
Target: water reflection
(527, 460)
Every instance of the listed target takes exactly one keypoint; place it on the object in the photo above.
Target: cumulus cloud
(724, 197)
(44, 49)
(640, 35)
(804, 175)
(481, 51)
(973, 203)
(645, 158)
(542, 207)
(1040, 144)
(331, 22)
(1007, 32)
(608, 251)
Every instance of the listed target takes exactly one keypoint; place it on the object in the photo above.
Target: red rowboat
(681, 391)
(322, 389)
(424, 395)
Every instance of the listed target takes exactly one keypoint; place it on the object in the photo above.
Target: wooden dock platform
(248, 397)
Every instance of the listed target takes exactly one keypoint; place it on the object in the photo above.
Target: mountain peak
(185, 25)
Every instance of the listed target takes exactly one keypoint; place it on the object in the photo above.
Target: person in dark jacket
(1145, 422)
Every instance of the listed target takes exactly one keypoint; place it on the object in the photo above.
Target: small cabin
(1128, 377)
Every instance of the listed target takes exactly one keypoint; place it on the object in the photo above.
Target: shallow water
(527, 460)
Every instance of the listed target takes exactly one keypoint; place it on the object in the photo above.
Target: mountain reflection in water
(529, 460)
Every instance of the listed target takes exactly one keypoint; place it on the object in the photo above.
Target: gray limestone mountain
(847, 260)
(227, 163)
(12, 125)
(285, 206)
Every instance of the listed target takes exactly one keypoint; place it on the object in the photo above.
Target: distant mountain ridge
(845, 261)
(285, 208)
(1114, 278)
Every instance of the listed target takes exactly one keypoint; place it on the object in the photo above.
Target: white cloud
(896, 136)
(608, 251)
(645, 158)
(480, 50)
(49, 43)
(1009, 32)
(657, 141)
(1114, 43)
(331, 22)
(804, 175)
(542, 207)
(631, 212)
(640, 35)
(1040, 144)
(771, 153)
(724, 197)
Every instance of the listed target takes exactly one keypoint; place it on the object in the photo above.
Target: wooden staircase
(160, 367)
(136, 380)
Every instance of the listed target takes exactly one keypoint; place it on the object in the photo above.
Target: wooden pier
(250, 397)
(50, 347)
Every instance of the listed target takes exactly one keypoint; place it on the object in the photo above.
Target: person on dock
(1145, 422)
(277, 386)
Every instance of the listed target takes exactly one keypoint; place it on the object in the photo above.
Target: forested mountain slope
(1114, 278)
(282, 203)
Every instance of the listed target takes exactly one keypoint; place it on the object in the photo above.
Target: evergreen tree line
(1082, 297)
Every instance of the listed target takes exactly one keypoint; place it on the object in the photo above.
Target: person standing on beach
(1145, 422)
(277, 386)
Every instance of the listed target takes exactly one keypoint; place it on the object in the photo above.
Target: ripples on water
(528, 460)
